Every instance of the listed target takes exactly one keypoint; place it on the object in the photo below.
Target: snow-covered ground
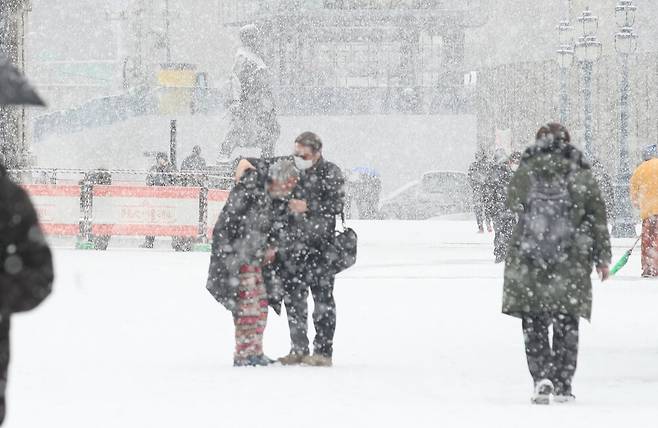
(131, 338)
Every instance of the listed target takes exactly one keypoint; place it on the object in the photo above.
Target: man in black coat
(26, 269)
(240, 249)
(306, 233)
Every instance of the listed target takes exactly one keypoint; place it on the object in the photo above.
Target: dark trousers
(481, 216)
(324, 315)
(503, 226)
(557, 361)
(4, 362)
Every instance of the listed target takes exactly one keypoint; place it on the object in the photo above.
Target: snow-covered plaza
(131, 338)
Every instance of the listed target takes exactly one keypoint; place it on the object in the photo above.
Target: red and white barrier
(126, 210)
(58, 208)
(156, 211)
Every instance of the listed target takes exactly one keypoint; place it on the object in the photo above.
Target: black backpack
(547, 227)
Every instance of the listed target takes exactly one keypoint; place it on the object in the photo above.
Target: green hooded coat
(566, 286)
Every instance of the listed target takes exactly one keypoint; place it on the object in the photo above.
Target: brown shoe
(317, 360)
(292, 359)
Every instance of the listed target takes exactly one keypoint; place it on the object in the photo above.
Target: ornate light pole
(588, 51)
(565, 60)
(625, 45)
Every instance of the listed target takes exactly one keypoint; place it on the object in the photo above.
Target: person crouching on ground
(562, 233)
(239, 249)
(644, 194)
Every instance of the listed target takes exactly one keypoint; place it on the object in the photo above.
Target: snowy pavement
(131, 338)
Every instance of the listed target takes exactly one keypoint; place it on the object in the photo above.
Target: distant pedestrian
(163, 173)
(478, 174)
(562, 233)
(644, 195)
(605, 184)
(193, 168)
(504, 219)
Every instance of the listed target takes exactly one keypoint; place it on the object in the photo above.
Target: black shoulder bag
(341, 254)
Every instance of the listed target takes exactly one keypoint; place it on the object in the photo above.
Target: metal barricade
(95, 205)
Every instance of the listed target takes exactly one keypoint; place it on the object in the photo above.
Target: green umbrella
(622, 262)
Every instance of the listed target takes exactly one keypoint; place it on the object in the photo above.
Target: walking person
(163, 173)
(562, 233)
(308, 228)
(644, 195)
(478, 174)
(239, 251)
(504, 219)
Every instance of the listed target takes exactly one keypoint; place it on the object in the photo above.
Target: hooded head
(251, 37)
(552, 135)
(650, 152)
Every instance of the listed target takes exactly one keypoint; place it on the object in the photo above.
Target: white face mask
(302, 164)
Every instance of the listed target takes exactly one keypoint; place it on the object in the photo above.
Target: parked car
(437, 193)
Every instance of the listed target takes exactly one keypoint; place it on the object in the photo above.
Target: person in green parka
(561, 235)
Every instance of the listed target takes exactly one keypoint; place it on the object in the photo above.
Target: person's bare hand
(298, 206)
(243, 166)
(604, 272)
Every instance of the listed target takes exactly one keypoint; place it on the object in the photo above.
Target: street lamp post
(625, 45)
(565, 61)
(588, 51)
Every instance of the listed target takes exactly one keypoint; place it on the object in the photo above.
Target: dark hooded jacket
(240, 237)
(565, 287)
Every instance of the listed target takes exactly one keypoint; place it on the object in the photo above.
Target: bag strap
(344, 222)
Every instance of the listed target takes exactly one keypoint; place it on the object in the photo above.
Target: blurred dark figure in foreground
(251, 100)
(26, 269)
(163, 173)
(644, 195)
(562, 233)
(363, 189)
(504, 219)
(478, 174)
(240, 251)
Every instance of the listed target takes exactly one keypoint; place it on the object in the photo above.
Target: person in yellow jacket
(644, 195)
